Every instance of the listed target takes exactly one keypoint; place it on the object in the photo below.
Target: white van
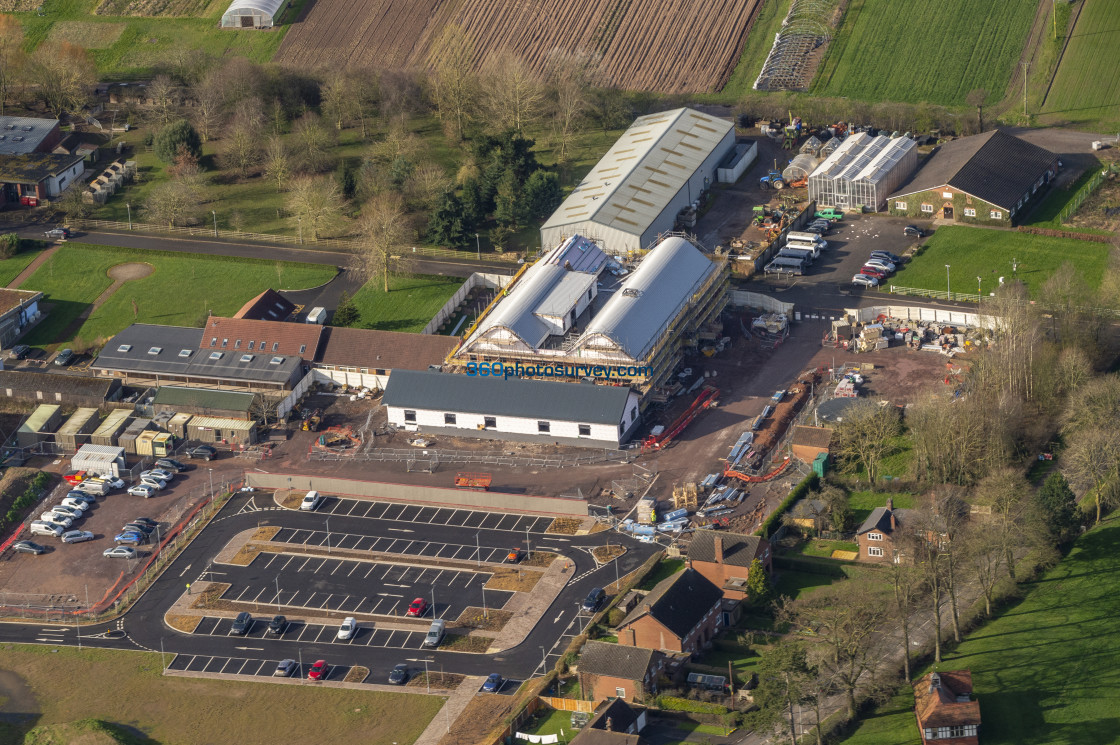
(435, 633)
(310, 501)
(317, 315)
(95, 487)
(795, 235)
(41, 527)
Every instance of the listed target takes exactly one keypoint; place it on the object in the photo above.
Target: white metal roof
(266, 7)
(215, 422)
(862, 157)
(645, 168)
(109, 452)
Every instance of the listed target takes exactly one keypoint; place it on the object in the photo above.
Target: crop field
(1081, 93)
(933, 51)
(669, 46)
(166, 8)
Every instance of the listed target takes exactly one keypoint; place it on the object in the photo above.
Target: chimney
(610, 725)
(718, 547)
(890, 511)
(934, 682)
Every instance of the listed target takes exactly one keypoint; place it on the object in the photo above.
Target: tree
(383, 227)
(347, 313)
(162, 95)
(571, 75)
(454, 83)
(837, 507)
(759, 590)
(1093, 459)
(186, 164)
(906, 590)
(314, 141)
(242, 150)
(923, 545)
(1015, 522)
(277, 163)
(63, 74)
(865, 436)
(173, 202)
(12, 58)
(514, 93)
(976, 97)
(263, 409)
(1059, 507)
(426, 184)
(510, 208)
(210, 101)
(985, 558)
(316, 202)
(168, 140)
(542, 194)
(445, 226)
(9, 245)
(784, 677)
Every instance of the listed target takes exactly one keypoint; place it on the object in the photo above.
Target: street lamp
(129, 207)
(215, 214)
(299, 222)
(211, 470)
(328, 536)
(544, 661)
(477, 247)
(979, 286)
(485, 610)
(948, 292)
(277, 592)
(477, 550)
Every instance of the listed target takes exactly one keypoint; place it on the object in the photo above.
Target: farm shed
(863, 171)
(809, 442)
(737, 162)
(111, 428)
(253, 13)
(100, 459)
(658, 166)
(39, 425)
(367, 357)
(128, 439)
(60, 389)
(177, 425)
(219, 429)
(77, 429)
(203, 401)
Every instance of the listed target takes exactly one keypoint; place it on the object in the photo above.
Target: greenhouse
(863, 171)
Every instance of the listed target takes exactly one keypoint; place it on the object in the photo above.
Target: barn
(253, 13)
(660, 165)
(863, 171)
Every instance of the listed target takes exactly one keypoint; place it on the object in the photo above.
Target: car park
(417, 608)
(159, 473)
(96, 487)
(872, 271)
(319, 671)
(111, 481)
(242, 624)
(883, 264)
(277, 625)
(75, 504)
(285, 669)
(310, 501)
(130, 538)
(18, 352)
(65, 357)
(77, 536)
(71, 512)
(435, 633)
(494, 683)
(28, 547)
(594, 600)
(887, 255)
(399, 675)
(170, 464)
(54, 517)
(865, 280)
(120, 552)
(202, 452)
(142, 490)
(44, 527)
(913, 231)
(348, 629)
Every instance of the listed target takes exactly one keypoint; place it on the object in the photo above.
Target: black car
(170, 464)
(59, 232)
(277, 625)
(399, 675)
(202, 452)
(145, 521)
(138, 528)
(28, 547)
(65, 357)
(913, 231)
(18, 352)
(815, 229)
(594, 600)
(242, 624)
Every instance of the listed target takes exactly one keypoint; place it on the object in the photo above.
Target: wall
(746, 299)
(719, 574)
(292, 398)
(58, 182)
(352, 379)
(887, 544)
(735, 172)
(478, 279)
(432, 495)
(920, 313)
(602, 687)
(958, 200)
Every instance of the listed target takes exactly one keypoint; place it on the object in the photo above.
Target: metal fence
(935, 294)
(1085, 192)
(436, 458)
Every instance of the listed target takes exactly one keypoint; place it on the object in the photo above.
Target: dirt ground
(1102, 210)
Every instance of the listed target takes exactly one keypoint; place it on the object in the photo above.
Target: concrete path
(37, 262)
(452, 708)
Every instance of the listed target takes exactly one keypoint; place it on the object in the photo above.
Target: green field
(180, 292)
(409, 305)
(979, 252)
(128, 690)
(10, 268)
(863, 502)
(933, 51)
(1083, 91)
(1045, 670)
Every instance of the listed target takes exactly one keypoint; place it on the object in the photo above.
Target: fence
(569, 704)
(1085, 192)
(936, 294)
(478, 279)
(469, 457)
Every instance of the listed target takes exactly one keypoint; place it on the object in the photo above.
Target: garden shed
(111, 427)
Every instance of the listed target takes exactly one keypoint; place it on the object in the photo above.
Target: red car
(319, 670)
(418, 607)
(871, 271)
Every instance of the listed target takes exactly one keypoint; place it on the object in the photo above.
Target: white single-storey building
(512, 408)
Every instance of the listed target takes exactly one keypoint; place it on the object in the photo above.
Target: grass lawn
(10, 268)
(727, 650)
(409, 305)
(1080, 94)
(791, 583)
(979, 252)
(551, 723)
(70, 685)
(179, 292)
(755, 50)
(822, 548)
(933, 51)
(665, 568)
(863, 502)
(893, 723)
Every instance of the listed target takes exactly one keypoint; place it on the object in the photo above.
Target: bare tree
(314, 141)
(277, 163)
(951, 439)
(12, 58)
(64, 75)
(383, 228)
(210, 101)
(1092, 460)
(173, 202)
(316, 202)
(337, 95)
(906, 589)
(985, 557)
(571, 75)
(242, 150)
(865, 436)
(427, 183)
(951, 513)
(515, 95)
(263, 409)
(976, 97)
(923, 544)
(454, 83)
(163, 99)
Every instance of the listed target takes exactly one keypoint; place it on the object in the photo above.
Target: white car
(153, 482)
(310, 501)
(142, 490)
(44, 527)
(62, 509)
(348, 628)
(76, 536)
(883, 264)
(57, 519)
(76, 504)
(112, 481)
(865, 280)
(120, 552)
(158, 473)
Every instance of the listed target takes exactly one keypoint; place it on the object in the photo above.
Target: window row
(489, 422)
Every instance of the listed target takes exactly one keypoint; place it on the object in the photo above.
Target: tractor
(772, 180)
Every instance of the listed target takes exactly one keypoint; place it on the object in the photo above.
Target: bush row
(25, 501)
(771, 523)
(674, 703)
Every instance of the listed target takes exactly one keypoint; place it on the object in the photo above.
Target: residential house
(878, 536)
(617, 723)
(810, 514)
(680, 614)
(946, 712)
(618, 671)
(724, 559)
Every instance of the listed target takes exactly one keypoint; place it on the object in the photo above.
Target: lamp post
(948, 291)
(215, 214)
(979, 286)
(299, 222)
(477, 247)
(328, 536)
(427, 678)
(477, 550)
(278, 593)
(485, 610)
(129, 208)
(544, 661)
(211, 470)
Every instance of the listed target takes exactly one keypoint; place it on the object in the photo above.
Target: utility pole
(1025, 66)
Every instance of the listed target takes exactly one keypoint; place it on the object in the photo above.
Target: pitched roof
(621, 715)
(616, 660)
(23, 134)
(996, 167)
(203, 398)
(28, 382)
(531, 399)
(262, 337)
(31, 168)
(879, 519)
(270, 305)
(678, 602)
(738, 549)
(938, 705)
(383, 350)
(814, 437)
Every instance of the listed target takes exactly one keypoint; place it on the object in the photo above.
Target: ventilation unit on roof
(632, 292)
(27, 129)
(124, 347)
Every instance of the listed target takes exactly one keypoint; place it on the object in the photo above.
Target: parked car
(913, 231)
(202, 452)
(159, 473)
(310, 501)
(886, 266)
(417, 608)
(120, 552)
(872, 271)
(893, 258)
(594, 600)
(18, 352)
(348, 629)
(71, 512)
(77, 536)
(58, 519)
(399, 675)
(494, 683)
(75, 504)
(65, 357)
(111, 481)
(138, 528)
(146, 521)
(130, 538)
(80, 496)
(865, 280)
(830, 213)
(43, 527)
(154, 482)
(285, 669)
(28, 547)
(514, 556)
(142, 490)
(319, 671)
(57, 233)
(435, 633)
(815, 229)
(170, 464)
(96, 487)
(277, 625)
(242, 624)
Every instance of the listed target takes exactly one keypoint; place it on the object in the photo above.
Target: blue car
(494, 683)
(130, 537)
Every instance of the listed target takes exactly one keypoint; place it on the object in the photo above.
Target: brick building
(617, 671)
(617, 723)
(725, 559)
(680, 614)
(946, 713)
(879, 534)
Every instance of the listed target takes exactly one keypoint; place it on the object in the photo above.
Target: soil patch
(482, 714)
(444, 681)
(539, 559)
(356, 674)
(484, 619)
(186, 624)
(129, 270)
(513, 580)
(461, 643)
(564, 526)
(603, 554)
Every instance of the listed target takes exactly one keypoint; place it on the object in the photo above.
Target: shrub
(673, 703)
(615, 617)
(178, 133)
(9, 245)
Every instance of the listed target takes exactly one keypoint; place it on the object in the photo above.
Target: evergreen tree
(347, 313)
(445, 227)
(542, 194)
(759, 591)
(509, 202)
(785, 681)
(167, 141)
(471, 200)
(1059, 506)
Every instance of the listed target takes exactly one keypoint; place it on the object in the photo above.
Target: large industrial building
(657, 167)
(863, 171)
(556, 315)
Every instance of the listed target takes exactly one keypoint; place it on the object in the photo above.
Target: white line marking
(184, 570)
(401, 530)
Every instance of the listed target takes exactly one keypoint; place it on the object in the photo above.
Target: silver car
(160, 473)
(76, 504)
(76, 536)
(55, 518)
(64, 509)
(142, 490)
(120, 552)
(153, 482)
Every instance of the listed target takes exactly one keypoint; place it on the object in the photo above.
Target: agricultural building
(30, 178)
(18, 309)
(253, 13)
(39, 425)
(78, 428)
(553, 315)
(986, 179)
(512, 409)
(71, 390)
(365, 358)
(659, 166)
(862, 171)
(103, 460)
(204, 402)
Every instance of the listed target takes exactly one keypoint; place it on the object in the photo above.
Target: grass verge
(464, 643)
(186, 624)
(665, 568)
(512, 580)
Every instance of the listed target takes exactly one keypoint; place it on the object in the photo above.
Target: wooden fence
(569, 704)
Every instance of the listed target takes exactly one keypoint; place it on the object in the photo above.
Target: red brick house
(725, 559)
(680, 614)
(617, 723)
(617, 671)
(879, 533)
(946, 713)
